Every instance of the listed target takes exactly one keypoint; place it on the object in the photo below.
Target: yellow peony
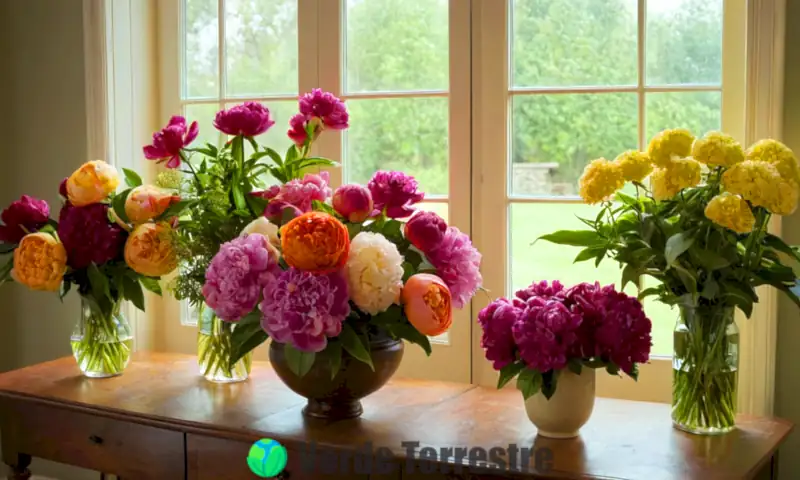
(670, 145)
(600, 180)
(149, 250)
(778, 154)
(40, 262)
(681, 173)
(635, 165)
(92, 183)
(731, 211)
(718, 149)
(146, 202)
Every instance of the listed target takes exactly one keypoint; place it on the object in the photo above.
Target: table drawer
(107, 445)
(211, 458)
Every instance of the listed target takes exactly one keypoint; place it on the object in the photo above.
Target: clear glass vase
(705, 370)
(214, 350)
(102, 343)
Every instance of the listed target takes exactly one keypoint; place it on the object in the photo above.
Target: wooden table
(161, 420)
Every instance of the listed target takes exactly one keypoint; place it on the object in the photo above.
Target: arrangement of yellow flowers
(699, 227)
(109, 245)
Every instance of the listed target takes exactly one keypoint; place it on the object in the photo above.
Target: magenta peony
(353, 202)
(426, 230)
(297, 195)
(541, 289)
(168, 142)
(544, 333)
(248, 119)
(298, 129)
(497, 341)
(278, 210)
(62, 188)
(394, 193)
(458, 263)
(26, 215)
(88, 235)
(325, 106)
(238, 274)
(304, 309)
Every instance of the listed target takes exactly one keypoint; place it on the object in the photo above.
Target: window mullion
(330, 41)
(641, 64)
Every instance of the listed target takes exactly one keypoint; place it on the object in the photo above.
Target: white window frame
(759, 81)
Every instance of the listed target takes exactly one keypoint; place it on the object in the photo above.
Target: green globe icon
(267, 458)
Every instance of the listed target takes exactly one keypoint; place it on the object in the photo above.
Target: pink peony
(237, 275)
(458, 263)
(88, 236)
(497, 341)
(297, 195)
(325, 106)
(545, 332)
(304, 309)
(168, 142)
(249, 119)
(353, 202)
(425, 230)
(297, 129)
(394, 192)
(26, 215)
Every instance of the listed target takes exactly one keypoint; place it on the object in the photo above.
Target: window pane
(202, 49)
(555, 136)
(261, 47)
(405, 134)
(573, 42)
(684, 42)
(697, 111)
(439, 208)
(396, 45)
(663, 317)
(203, 114)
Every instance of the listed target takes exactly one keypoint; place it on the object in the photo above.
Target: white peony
(263, 227)
(374, 272)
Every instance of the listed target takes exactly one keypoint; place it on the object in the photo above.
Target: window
(495, 106)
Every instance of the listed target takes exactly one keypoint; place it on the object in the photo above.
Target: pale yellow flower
(731, 211)
(717, 149)
(762, 185)
(374, 272)
(681, 173)
(600, 180)
(92, 183)
(635, 165)
(670, 145)
(778, 154)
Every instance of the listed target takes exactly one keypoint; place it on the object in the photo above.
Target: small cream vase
(568, 409)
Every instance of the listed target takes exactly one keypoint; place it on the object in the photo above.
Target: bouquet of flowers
(109, 245)
(547, 328)
(314, 269)
(700, 230)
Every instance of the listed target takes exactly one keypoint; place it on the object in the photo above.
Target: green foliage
(299, 362)
(132, 179)
(247, 335)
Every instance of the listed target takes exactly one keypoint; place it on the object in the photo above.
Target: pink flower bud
(426, 230)
(354, 202)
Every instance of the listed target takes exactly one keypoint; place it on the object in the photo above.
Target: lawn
(547, 261)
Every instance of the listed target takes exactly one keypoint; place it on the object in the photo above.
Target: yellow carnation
(718, 149)
(635, 165)
(600, 180)
(731, 211)
(669, 145)
(783, 200)
(40, 262)
(778, 154)
(681, 173)
(92, 183)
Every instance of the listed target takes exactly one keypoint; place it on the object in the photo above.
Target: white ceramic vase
(570, 407)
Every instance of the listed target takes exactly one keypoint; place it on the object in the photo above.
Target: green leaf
(549, 382)
(390, 316)
(710, 289)
(575, 366)
(687, 278)
(238, 197)
(627, 199)
(132, 179)
(776, 243)
(98, 282)
(648, 292)
(508, 372)
(334, 352)
(590, 253)
(246, 336)
(529, 382)
(630, 274)
(634, 372)
(324, 207)
(256, 204)
(406, 331)
(708, 259)
(66, 286)
(118, 204)
(151, 284)
(612, 368)
(677, 244)
(7, 248)
(353, 229)
(298, 362)
(176, 209)
(353, 345)
(133, 292)
(5, 271)
(575, 238)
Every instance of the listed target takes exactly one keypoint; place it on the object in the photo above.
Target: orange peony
(149, 250)
(146, 202)
(427, 303)
(40, 262)
(315, 242)
(92, 183)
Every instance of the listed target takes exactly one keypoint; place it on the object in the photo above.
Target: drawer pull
(95, 439)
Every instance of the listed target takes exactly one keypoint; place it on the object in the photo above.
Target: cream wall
(788, 368)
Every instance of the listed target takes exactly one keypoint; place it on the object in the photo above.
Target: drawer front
(211, 458)
(111, 446)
